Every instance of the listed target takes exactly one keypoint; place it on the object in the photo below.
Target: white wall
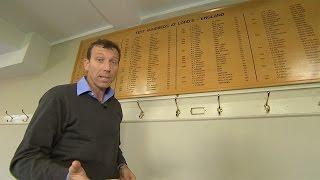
(242, 149)
(244, 143)
(10, 137)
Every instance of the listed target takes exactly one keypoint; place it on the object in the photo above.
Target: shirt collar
(83, 87)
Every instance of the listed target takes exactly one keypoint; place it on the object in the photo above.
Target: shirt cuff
(122, 164)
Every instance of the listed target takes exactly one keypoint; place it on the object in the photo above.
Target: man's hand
(76, 172)
(126, 174)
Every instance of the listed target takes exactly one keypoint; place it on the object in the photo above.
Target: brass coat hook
(9, 116)
(178, 110)
(219, 109)
(141, 111)
(266, 105)
(25, 120)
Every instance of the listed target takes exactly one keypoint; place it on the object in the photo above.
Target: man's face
(102, 67)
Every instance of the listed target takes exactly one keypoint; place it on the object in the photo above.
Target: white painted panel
(10, 138)
(235, 104)
(244, 143)
(284, 148)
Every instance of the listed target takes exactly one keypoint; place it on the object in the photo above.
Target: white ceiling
(60, 20)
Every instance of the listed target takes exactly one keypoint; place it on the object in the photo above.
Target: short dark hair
(107, 44)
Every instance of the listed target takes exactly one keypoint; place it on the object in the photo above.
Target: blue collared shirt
(83, 87)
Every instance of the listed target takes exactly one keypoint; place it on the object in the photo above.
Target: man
(75, 132)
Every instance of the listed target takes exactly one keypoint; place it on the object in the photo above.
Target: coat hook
(178, 110)
(266, 105)
(141, 111)
(219, 109)
(9, 116)
(25, 120)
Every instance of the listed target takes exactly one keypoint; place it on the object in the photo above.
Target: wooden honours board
(254, 44)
